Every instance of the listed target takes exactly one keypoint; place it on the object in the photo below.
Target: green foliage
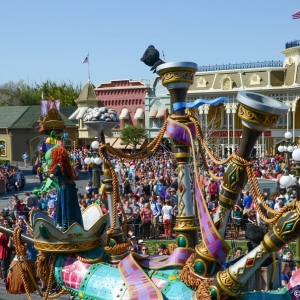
(133, 135)
(153, 244)
(4, 161)
(20, 93)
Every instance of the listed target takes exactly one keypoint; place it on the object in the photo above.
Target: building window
(201, 82)
(140, 122)
(283, 120)
(156, 122)
(2, 148)
(226, 83)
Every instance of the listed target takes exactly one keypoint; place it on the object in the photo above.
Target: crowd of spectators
(148, 190)
(148, 195)
(12, 177)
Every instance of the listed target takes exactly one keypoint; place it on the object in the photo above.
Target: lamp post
(291, 176)
(287, 148)
(93, 157)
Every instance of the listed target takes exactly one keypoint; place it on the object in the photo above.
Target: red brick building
(126, 97)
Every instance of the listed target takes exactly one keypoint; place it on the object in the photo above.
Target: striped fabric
(214, 242)
(211, 238)
(73, 271)
(176, 131)
(177, 258)
(138, 283)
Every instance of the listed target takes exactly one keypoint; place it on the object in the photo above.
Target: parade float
(92, 261)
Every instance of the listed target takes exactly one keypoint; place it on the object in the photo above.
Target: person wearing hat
(161, 249)
(279, 203)
(134, 243)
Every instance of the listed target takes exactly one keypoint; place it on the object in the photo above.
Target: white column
(233, 111)
(228, 110)
(269, 78)
(263, 144)
(206, 109)
(289, 104)
(294, 106)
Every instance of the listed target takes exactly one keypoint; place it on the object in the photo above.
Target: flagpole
(89, 65)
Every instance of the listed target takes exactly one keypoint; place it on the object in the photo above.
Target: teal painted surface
(282, 294)
(181, 242)
(199, 268)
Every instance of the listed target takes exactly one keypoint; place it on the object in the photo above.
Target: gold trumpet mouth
(259, 111)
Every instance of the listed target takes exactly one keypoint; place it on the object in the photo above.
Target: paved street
(5, 296)
(32, 182)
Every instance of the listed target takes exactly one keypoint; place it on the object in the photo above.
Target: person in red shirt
(4, 259)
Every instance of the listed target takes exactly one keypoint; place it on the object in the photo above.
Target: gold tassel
(43, 266)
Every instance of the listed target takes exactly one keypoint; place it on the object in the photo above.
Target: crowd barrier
(138, 230)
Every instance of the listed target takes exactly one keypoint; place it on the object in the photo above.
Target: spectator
(40, 173)
(18, 184)
(4, 258)
(147, 217)
(52, 197)
(167, 213)
(213, 189)
(25, 157)
(144, 250)
(237, 219)
(162, 249)
(156, 210)
(279, 203)
(134, 243)
(247, 201)
(136, 218)
(103, 208)
(87, 198)
(129, 215)
(127, 187)
(132, 249)
(285, 274)
(44, 202)
(238, 254)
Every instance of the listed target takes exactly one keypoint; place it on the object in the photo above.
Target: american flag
(86, 60)
(296, 15)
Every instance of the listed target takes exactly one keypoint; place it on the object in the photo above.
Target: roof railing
(292, 44)
(251, 65)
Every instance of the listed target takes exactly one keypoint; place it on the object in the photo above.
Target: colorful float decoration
(93, 262)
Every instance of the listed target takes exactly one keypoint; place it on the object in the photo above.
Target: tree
(133, 136)
(20, 93)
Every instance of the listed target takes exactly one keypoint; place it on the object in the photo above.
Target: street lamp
(287, 148)
(292, 180)
(93, 157)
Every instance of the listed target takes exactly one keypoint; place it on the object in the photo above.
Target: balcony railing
(251, 65)
(291, 44)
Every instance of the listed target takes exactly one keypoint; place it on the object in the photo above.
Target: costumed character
(67, 208)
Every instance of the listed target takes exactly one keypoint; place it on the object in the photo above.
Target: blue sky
(43, 39)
